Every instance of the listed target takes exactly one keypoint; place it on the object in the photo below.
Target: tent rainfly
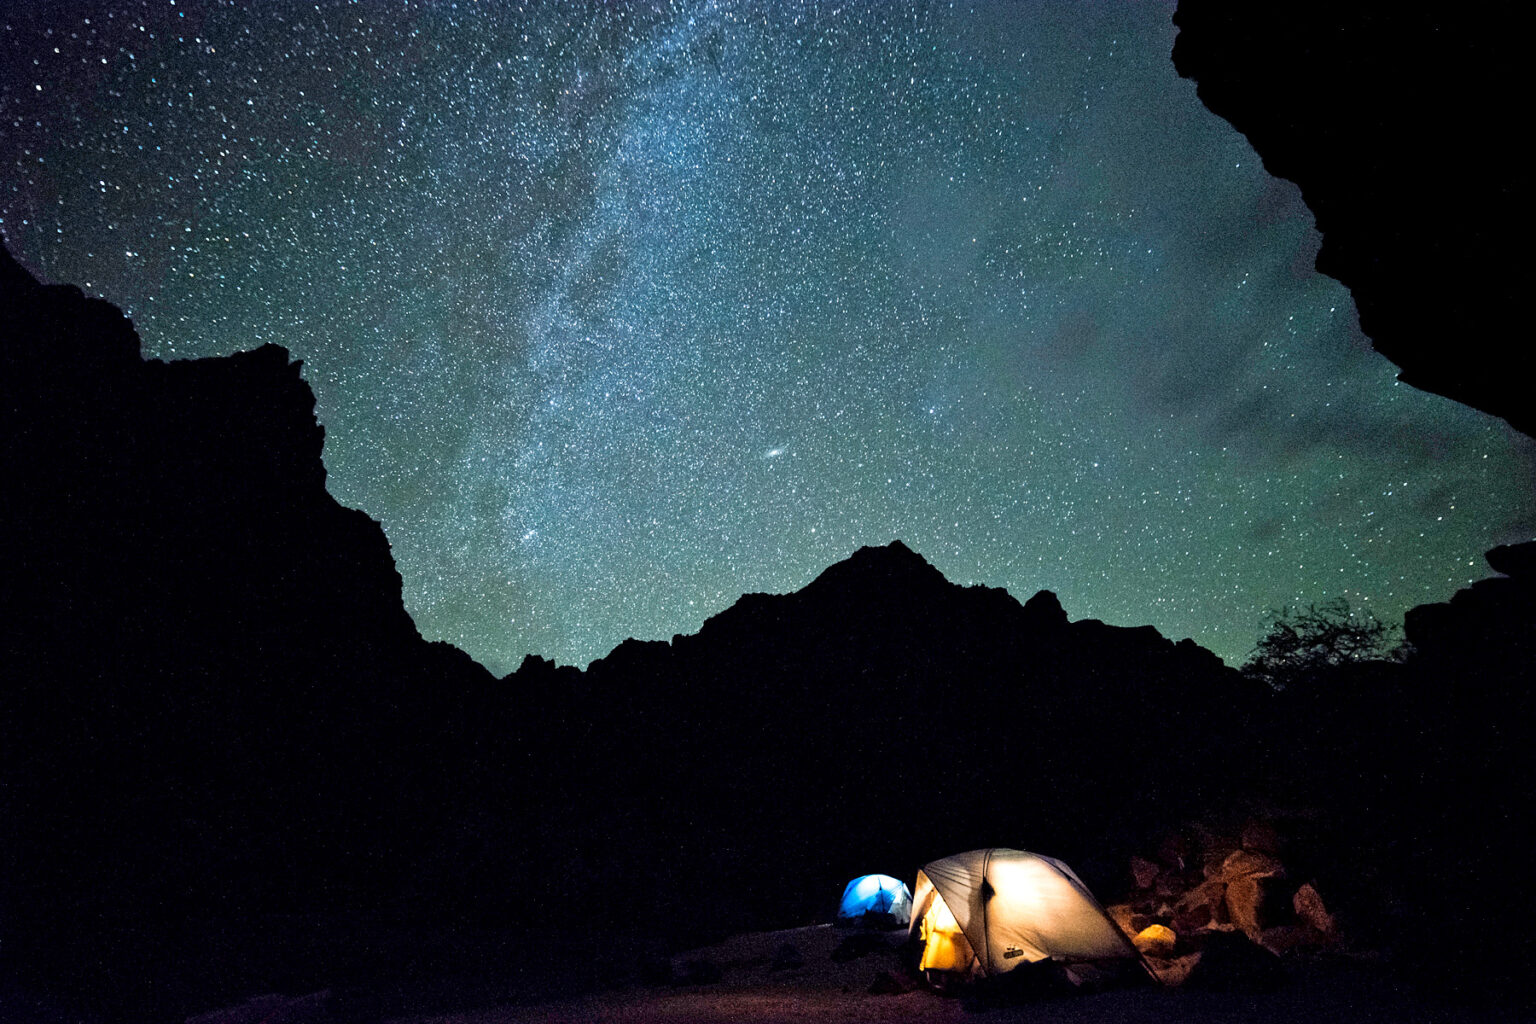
(991, 910)
(876, 898)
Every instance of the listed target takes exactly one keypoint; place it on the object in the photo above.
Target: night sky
(617, 311)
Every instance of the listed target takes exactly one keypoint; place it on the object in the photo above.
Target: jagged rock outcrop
(1402, 124)
(1485, 629)
(1210, 878)
(1472, 673)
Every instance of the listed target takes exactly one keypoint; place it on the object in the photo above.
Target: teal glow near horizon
(616, 312)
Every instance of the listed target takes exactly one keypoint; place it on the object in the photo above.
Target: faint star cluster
(617, 311)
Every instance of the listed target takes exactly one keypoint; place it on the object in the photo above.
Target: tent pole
(986, 900)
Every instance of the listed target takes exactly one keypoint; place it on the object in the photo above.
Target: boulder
(1210, 894)
(1173, 972)
(1310, 910)
(1257, 902)
(1123, 915)
(1247, 863)
(1156, 940)
(1192, 919)
(1243, 896)
(1143, 872)
(1170, 886)
(1216, 854)
(1192, 916)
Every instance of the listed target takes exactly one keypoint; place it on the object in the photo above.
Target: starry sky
(616, 311)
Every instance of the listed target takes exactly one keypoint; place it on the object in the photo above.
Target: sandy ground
(752, 988)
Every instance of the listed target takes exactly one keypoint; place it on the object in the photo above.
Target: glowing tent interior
(988, 911)
(876, 899)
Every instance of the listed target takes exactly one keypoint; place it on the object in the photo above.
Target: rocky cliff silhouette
(1403, 125)
(215, 704)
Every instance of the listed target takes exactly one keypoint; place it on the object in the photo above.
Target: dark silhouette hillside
(215, 704)
(877, 717)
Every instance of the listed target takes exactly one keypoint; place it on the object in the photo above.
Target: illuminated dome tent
(989, 911)
(876, 899)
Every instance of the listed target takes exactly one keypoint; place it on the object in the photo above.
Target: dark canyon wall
(1404, 124)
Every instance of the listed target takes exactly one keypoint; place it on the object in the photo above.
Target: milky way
(615, 312)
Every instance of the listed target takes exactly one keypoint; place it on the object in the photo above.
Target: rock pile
(1204, 882)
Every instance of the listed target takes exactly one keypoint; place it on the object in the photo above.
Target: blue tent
(877, 899)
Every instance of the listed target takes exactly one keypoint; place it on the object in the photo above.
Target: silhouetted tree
(1301, 645)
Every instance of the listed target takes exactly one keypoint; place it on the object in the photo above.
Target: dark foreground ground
(802, 975)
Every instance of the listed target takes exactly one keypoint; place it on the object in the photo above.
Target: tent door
(945, 947)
